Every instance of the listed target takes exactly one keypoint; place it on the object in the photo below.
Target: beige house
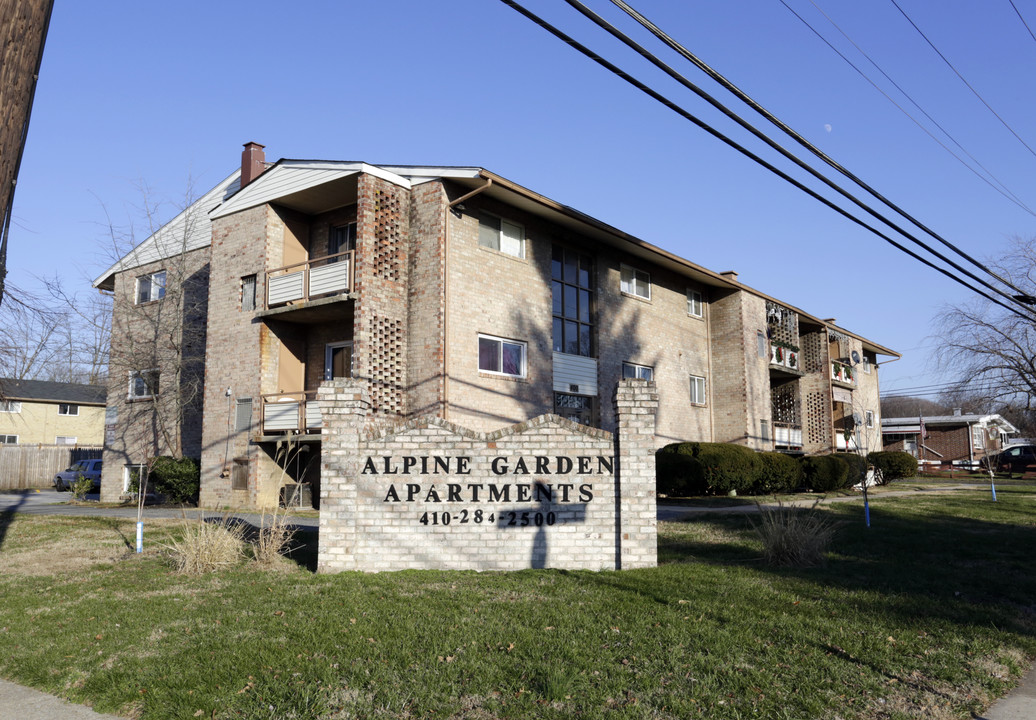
(457, 293)
(38, 412)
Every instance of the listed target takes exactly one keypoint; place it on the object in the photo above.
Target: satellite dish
(856, 357)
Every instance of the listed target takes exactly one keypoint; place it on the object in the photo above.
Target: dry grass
(205, 547)
(273, 539)
(56, 545)
(794, 537)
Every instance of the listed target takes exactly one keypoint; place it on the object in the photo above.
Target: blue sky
(166, 93)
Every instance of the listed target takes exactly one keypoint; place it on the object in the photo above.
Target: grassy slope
(927, 614)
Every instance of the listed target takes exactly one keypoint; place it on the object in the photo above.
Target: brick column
(636, 409)
(344, 405)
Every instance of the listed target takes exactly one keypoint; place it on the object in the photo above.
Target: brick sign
(428, 494)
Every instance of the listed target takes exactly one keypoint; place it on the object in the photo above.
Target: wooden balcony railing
(297, 412)
(843, 373)
(326, 275)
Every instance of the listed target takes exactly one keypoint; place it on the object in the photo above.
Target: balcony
(301, 282)
(784, 357)
(787, 436)
(842, 373)
(296, 412)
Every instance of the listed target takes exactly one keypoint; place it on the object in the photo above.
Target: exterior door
(338, 360)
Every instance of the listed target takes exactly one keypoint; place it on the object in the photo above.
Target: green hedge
(824, 473)
(894, 464)
(683, 469)
(857, 468)
(177, 478)
(778, 473)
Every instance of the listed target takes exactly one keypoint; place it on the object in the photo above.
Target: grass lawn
(929, 613)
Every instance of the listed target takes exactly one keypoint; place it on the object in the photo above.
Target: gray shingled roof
(44, 390)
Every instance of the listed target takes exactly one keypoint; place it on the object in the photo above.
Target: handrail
(292, 283)
(310, 261)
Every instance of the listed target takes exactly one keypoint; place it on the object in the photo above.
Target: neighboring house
(39, 412)
(955, 439)
(455, 293)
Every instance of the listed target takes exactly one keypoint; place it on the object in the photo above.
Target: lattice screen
(784, 402)
(817, 430)
(387, 235)
(386, 386)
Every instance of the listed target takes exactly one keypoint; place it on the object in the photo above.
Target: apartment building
(456, 293)
(41, 412)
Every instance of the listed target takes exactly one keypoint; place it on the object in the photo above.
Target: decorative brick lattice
(387, 365)
(388, 245)
(782, 323)
(817, 431)
(813, 352)
(784, 400)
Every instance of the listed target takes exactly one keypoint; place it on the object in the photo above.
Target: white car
(89, 469)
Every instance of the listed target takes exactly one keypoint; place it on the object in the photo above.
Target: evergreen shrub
(824, 473)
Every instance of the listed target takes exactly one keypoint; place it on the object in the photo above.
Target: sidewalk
(22, 703)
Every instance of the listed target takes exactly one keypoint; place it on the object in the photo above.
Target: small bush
(824, 473)
(794, 537)
(80, 487)
(723, 467)
(857, 468)
(205, 547)
(893, 464)
(673, 472)
(778, 473)
(177, 478)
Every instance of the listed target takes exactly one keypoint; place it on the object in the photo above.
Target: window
(869, 416)
(635, 282)
(572, 278)
(143, 384)
(151, 287)
(762, 345)
(639, 372)
(338, 360)
(502, 357)
(979, 436)
(578, 408)
(496, 233)
(243, 415)
(695, 307)
(867, 364)
(10, 406)
(66, 440)
(248, 292)
(8, 439)
(68, 409)
(697, 390)
(340, 239)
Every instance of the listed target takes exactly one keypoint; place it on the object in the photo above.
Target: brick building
(957, 439)
(458, 294)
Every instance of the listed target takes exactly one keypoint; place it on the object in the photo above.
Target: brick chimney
(729, 275)
(253, 162)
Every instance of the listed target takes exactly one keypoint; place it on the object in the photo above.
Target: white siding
(575, 370)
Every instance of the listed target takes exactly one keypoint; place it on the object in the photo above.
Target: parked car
(1013, 459)
(89, 469)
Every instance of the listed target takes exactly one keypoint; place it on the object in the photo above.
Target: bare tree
(993, 351)
(157, 331)
(29, 336)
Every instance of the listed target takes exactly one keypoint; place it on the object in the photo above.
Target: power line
(966, 83)
(744, 151)
(1002, 189)
(601, 22)
(1023, 297)
(1019, 14)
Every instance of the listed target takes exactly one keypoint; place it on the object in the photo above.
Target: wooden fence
(34, 466)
